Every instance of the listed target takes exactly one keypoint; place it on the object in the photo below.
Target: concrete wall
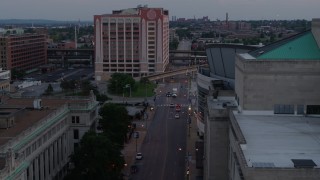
(216, 146)
(281, 173)
(277, 82)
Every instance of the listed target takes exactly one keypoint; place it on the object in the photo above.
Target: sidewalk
(192, 137)
(129, 150)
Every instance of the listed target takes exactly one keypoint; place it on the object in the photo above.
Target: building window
(283, 109)
(313, 109)
(75, 119)
(300, 109)
(76, 134)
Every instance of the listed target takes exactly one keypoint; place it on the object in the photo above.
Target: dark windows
(313, 109)
(76, 134)
(75, 119)
(283, 109)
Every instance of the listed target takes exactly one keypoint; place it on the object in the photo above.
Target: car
(168, 94)
(177, 116)
(172, 105)
(174, 95)
(139, 156)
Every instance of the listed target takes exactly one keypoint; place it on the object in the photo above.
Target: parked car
(174, 95)
(168, 94)
(171, 105)
(139, 156)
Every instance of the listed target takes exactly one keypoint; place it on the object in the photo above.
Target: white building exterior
(37, 136)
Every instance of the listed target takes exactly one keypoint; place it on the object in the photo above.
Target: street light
(127, 86)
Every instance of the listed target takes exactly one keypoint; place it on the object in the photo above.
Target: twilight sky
(237, 9)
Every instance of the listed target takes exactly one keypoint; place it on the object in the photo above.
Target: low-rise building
(37, 136)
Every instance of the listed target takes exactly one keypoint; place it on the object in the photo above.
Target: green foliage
(182, 33)
(102, 98)
(96, 158)
(58, 34)
(144, 80)
(49, 90)
(86, 87)
(174, 44)
(210, 34)
(114, 122)
(272, 38)
(119, 81)
(143, 89)
(17, 74)
(68, 85)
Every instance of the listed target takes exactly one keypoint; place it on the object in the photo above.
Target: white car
(139, 156)
(177, 116)
(174, 95)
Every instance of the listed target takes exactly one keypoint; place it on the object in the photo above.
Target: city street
(164, 147)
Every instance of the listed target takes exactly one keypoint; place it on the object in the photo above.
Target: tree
(97, 157)
(114, 122)
(174, 44)
(49, 90)
(144, 80)
(68, 85)
(17, 74)
(86, 87)
(118, 81)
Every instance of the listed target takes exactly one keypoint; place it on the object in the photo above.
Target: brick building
(23, 52)
(133, 41)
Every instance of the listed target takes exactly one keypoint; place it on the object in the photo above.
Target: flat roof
(222, 102)
(276, 139)
(29, 116)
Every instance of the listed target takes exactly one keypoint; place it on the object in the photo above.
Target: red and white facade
(132, 41)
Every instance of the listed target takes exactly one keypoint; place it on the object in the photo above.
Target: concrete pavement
(192, 138)
(134, 145)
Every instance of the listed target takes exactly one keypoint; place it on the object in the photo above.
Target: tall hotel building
(22, 51)
(132, 41)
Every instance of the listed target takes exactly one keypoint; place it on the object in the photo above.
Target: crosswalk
(167, 105)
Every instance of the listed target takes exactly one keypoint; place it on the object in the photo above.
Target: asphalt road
(164, 147)
(183, 45)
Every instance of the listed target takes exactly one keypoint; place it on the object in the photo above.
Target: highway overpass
(174, 72)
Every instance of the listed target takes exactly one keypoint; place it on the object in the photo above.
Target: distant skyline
(71, 10)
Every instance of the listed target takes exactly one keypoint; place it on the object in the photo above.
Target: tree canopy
(115, 122)
(119, 81)
(49, 90)
(96, 158)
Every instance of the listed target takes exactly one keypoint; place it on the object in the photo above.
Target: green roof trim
(301, 48)
(18, 171)
(39, 130)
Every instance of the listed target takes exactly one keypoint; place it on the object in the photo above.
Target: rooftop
(29, 116)
(276, 140)
(302, 46)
